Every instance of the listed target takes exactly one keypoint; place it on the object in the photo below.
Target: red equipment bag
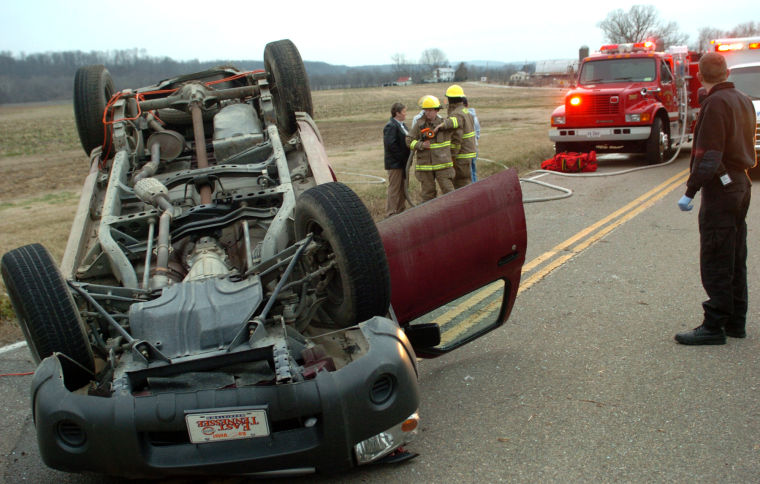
(570, 162)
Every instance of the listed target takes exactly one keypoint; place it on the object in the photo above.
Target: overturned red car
(224, 305)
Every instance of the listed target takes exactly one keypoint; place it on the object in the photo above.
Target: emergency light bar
(630, 47)
(730, 45)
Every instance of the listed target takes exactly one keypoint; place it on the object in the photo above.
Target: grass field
(42, 164)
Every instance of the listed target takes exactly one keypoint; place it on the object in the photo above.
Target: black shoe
(736, 332)
(702, 336)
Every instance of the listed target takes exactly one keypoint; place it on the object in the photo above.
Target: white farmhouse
(443, 74)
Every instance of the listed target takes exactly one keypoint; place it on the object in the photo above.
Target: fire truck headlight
(575, 101)
(558, 120)
(633, 118)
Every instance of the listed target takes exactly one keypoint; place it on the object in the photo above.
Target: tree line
(49, 76)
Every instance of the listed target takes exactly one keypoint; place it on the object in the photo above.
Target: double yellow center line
(556, 257)
(591, 234)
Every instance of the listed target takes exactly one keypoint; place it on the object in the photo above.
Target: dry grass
(514, 123)
(42, 165)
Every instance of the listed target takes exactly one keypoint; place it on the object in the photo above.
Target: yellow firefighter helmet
(430, 102)
(455, 90)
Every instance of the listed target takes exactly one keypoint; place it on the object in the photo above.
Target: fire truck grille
(598, 104)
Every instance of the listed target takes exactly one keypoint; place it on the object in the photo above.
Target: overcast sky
(348, 32)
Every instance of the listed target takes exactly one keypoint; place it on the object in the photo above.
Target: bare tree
(747, 29)
(434, 58)
(704, 36)
(640, 23)
(400, 64)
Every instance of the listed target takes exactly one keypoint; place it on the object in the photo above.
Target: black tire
(288, 82)
(658, 144)
(45, 309)
(343, 227)
(93, 88)
(560, 147)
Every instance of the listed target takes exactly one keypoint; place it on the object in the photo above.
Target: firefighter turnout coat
(438, 157)
(462, 126)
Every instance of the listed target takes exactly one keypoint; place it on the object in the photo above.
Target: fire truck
(743, 59)
(629, 98)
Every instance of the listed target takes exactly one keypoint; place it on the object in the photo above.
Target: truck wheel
(288, 82)
(45, 309)
(344, 231)
(93, 88)
(658, 143)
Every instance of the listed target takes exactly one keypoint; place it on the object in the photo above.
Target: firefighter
(462, 127)
(722, 151)
(422, 111)
(433, 154)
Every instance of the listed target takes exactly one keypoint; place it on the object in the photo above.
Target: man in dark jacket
(396, 156)
(722, 151)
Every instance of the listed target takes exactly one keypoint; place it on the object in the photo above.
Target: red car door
(453, 245)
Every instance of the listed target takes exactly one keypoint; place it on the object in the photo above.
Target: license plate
(597, 133)
(226, 425)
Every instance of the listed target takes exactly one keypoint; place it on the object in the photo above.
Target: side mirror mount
(423, 335)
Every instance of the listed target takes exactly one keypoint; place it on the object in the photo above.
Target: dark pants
(723, 251)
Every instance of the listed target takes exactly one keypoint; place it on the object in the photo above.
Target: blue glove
(685, 203)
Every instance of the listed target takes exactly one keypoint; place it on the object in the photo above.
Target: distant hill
(49, 76)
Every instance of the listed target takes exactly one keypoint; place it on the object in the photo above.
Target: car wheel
(45, 309)
(93, 88)
(288, 82)
(344, 231)
(658, 143)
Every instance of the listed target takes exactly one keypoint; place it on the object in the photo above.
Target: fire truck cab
(743, 59)
(629, 99)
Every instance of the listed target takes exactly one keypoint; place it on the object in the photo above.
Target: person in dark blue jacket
(396, 156)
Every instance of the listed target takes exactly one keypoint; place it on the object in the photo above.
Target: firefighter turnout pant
(723, 251)
(463, 172)
(428, 179)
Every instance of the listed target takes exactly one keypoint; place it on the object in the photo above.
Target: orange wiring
(232, 78)
(18, 374)
(141, 97)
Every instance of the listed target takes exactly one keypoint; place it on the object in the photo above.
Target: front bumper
(314, 424)
(592, 135)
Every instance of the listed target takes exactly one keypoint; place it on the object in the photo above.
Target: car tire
(343, 228)
(288, 82)
(45, 309)
(93, 88)
(658, 144)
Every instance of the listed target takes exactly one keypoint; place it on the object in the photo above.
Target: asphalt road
(584, 383)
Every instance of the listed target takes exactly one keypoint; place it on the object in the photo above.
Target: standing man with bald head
(722, 151)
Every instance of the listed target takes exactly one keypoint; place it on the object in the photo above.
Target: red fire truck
(743, 59)
(630, 99)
